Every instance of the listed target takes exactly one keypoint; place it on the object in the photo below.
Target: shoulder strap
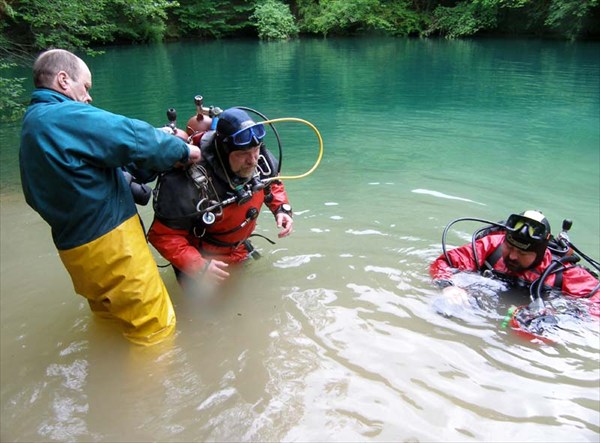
(558, 279)
(491, 259)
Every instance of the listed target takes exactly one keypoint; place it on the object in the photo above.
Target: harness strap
(492, 259)
(558, 280)
(213, 241)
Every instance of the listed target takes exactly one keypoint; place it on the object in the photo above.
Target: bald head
(64, 72)
(51, 62)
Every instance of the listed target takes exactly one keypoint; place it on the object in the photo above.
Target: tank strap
(558, 279)
(491, 260)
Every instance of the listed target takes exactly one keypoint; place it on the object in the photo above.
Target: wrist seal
(286, 208)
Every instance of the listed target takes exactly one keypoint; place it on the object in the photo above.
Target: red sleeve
(462, 258)
(578, 282)
(279, 196)
(440, 269)
(174, 246)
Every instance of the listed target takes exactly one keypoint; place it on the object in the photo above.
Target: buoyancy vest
(179, 199)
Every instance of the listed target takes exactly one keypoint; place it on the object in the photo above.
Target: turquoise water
(332, 335)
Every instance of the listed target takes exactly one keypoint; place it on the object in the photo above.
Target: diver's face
(515, 259)
(243, 163)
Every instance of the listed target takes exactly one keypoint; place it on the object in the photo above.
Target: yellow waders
(119, 277)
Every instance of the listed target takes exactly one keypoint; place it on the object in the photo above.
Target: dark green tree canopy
(85, 24)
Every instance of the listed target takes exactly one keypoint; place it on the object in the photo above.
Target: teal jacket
(70, 160)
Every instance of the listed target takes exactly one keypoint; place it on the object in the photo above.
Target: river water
(334, 334)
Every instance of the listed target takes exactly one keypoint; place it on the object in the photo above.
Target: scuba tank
(202, 121)
(172, 118)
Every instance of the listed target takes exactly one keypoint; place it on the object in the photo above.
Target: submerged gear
(532, 326)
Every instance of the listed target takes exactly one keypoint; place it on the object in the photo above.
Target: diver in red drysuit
(519, 255)
(229, 179)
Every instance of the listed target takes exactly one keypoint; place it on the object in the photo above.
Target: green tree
(211, 18)
(139, 20)
(274, 21)
(81, 24)
(395, 17)
(465, 18)
(570, 17)
(66, 24)
(12, 105)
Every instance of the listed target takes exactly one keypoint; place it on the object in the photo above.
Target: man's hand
(216, 271)
(195, 154)
(285, 223)
(455, 295)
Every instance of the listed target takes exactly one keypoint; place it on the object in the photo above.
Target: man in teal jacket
(70, 159)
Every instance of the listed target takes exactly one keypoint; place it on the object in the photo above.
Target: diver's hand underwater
(451, 302)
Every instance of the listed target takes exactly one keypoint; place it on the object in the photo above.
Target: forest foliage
(30, 26)
(33, 25)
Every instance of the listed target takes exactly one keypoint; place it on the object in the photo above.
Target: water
(333, 334)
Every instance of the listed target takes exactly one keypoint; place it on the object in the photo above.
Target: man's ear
(62, 80)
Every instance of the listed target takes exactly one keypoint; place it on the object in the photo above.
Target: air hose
(320, 156)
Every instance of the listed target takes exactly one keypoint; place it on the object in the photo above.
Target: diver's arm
(174, 246)
(462, 259)
(285, 223)
(441, 272)
(578, 282)
(281, 208)
(279, 196)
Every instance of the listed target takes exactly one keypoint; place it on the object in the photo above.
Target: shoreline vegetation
(30, 26)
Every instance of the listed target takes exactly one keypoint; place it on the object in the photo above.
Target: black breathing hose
(556, 266)
(473, 238)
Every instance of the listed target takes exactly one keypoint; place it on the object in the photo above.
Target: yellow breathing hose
(314, 128)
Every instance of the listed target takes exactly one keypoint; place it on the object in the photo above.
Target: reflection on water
(335, 334)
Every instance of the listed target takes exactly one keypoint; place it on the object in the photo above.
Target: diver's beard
(245, 172)
(514, 266)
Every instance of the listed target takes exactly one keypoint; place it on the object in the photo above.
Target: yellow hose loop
(314, 128)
